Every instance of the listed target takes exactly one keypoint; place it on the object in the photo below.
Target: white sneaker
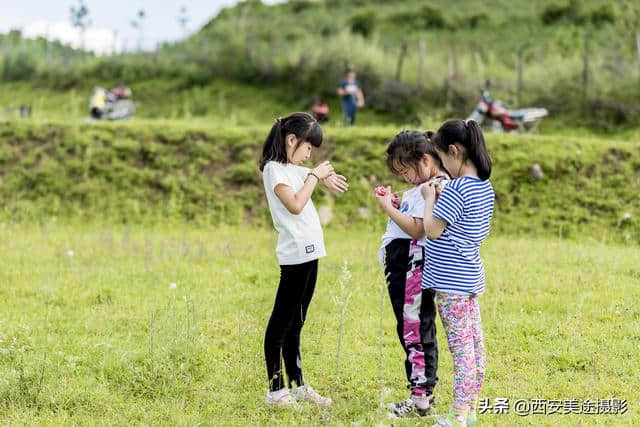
(420, 406)
(305, 393)
(281, 398)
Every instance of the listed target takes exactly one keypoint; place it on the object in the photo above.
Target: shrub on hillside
(433, 18)
(427, 18)
(391, 96)
(476, 20)
(605, 14)
(363, 23)
(298, 6)
(555, 13)
(571, 12)
(17, 67)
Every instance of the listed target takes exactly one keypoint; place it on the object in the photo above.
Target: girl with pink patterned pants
(456, 222)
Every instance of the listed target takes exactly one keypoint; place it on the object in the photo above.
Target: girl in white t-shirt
(412, 155)
(300, 244)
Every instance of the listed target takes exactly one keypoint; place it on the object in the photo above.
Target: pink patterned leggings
(460, 315)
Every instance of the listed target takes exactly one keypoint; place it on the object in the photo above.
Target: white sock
(421, 401)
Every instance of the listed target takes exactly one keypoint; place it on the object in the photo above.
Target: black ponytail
(477, 150)
(469, 135)
(273, 147)
(302, 125)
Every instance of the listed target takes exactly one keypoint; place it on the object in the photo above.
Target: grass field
(121, 326)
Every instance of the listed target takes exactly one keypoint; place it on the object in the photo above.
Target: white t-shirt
(300, 237)
(412, 204)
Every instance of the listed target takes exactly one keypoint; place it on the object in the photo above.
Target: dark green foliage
(555, 13)
(363, 23)
(298, 6)
(573, 13)
(477, 20)
(603, 14)
(428, 17)
(432, 17)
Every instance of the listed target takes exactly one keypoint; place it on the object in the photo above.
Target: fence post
(454, 53)
(448, 86)
(638, 45)
(480, 66)
(403, 53)
(422, 48)
(520, 71)
(585, 71)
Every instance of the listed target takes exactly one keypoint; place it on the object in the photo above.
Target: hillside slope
(141, 173)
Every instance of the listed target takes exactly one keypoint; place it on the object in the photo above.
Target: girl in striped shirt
(456, 222)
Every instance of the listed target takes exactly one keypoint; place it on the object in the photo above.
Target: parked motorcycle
(111, 105)
(493, 115)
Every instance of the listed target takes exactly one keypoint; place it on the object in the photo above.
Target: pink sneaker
(281, 398)
(306, 394)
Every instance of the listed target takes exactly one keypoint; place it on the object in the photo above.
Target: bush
(477, 20)
(605, 14)
(18, 67)
(555, 13)
(433, 18)
(363, 23)
(427, 18)
(609, 115)
(390, 96)
(298, 6)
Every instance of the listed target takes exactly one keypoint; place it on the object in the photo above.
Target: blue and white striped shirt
(452, 262)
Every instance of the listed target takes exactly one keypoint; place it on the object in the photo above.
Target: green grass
(101, 337)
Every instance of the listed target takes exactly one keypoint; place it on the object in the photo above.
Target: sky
(110, 26)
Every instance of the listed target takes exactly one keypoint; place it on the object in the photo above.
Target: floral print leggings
(460, 315)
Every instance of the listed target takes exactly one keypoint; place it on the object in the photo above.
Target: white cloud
(102, 41)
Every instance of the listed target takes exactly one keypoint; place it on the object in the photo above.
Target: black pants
(282, 338)
(398, 264)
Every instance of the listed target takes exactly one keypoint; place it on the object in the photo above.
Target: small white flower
(172, 285)
(70, 253)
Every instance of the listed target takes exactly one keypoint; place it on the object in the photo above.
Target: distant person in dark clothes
(320, 109)
(352, 96)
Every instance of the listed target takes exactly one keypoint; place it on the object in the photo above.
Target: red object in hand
(382, 191)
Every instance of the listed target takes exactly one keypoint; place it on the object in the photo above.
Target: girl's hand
(323, 170)
(428, 191)
(395, 201)
(438, 191)
(336, 183)
(385, 197)
(439, 184)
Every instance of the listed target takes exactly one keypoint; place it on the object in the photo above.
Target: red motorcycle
(493, 115)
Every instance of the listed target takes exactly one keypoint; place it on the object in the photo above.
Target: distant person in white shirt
(300, 244)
